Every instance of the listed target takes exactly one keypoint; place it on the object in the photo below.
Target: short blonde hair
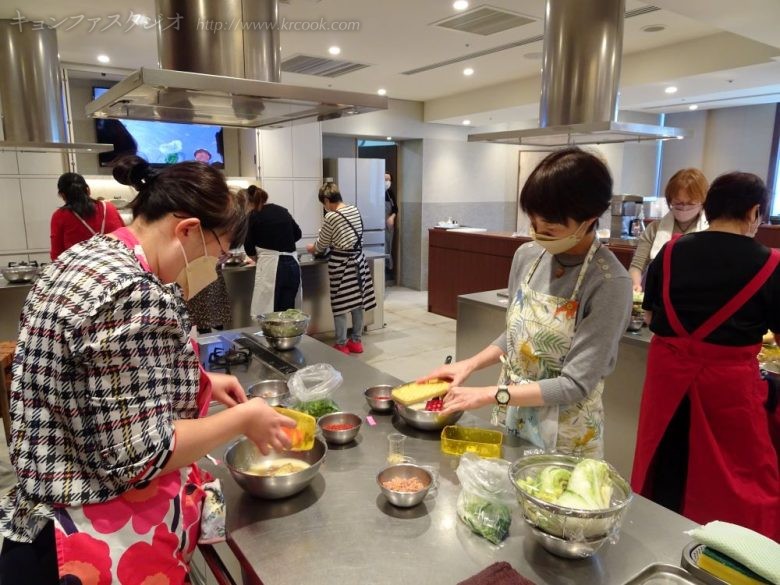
(692, 180)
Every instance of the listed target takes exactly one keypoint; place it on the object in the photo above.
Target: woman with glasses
(685, 193)
(108, 402)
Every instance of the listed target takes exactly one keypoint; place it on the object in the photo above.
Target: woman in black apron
(351, 288)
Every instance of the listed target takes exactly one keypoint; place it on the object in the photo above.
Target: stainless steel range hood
(180, 96)
(225, 77)
(583, 45)
(31, 91)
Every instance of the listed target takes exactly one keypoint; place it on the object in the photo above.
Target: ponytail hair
(188, 188)
(75, 190)
(256, 197)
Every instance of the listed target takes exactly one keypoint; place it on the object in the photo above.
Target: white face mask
(387, 185)
(683, 213)
(198, 274)
(560, 245)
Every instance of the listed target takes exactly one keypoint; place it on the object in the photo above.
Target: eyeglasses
(223, 255)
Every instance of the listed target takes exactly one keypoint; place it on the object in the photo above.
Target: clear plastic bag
(312, 389)
(486, 500)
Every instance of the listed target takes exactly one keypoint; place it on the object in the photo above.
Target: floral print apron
(145, 536)
(540, 328)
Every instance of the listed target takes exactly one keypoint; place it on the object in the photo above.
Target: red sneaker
(342, 348)
(354, 346)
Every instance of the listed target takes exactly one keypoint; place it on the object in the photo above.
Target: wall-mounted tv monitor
(160, 143)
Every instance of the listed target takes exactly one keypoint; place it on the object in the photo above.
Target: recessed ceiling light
(679, 137)
(140, 19)
(467, 122)
(693, 107)
(533, 55)
(468, 71)
(382, 91)
(652, 28)
(460, 4)
(388, 137)
(103, 58)
(334, 50)
(671, 89)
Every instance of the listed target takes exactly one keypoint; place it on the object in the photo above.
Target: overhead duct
(225, 77)
(31, 91)
(583, 45)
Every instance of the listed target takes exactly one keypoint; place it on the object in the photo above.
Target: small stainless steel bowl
(568, 549)
(284, 343)
(340, 437)
(274, 392)
(378, 397)
(20, 274)
(243, 454)
(405, 471)
(426, 420)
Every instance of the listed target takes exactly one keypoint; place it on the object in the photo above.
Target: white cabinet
(280, 191)
(12, 235)
(42, 163)
(276, 153)
(307, 151)
(291, 153)
(39, 200)
(307, 210)
(8, 163)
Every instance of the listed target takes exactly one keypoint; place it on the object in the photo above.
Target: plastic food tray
(456, 440)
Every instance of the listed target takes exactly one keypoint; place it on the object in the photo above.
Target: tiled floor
(413, 342)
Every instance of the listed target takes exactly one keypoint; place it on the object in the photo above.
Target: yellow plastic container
(302, 436)
(457, 440)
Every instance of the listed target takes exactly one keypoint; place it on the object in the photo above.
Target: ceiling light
(653, 28)
(693, 107)
(533, 55)
(334, 50)
(467, 122)
(671, 89)
(460, 4)
(103, 58)
(388, 137)
(468, 71)
(382, 91)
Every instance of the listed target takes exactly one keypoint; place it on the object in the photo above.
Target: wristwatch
(502, 395)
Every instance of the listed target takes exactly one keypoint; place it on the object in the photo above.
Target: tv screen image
(160, 143)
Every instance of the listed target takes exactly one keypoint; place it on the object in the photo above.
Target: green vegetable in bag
(317, 408)
(488, 519)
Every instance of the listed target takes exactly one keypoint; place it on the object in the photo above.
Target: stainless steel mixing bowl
(426, 420)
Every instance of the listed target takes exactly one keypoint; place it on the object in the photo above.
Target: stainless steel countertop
(340, 530)
(491, 299)
(5, 284)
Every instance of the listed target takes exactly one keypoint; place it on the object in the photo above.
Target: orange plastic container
(457, 440)
(302, 436)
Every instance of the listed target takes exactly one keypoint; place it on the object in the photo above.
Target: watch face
(502, 396)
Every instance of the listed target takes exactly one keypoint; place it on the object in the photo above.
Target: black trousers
(288, 281)
(35, 563)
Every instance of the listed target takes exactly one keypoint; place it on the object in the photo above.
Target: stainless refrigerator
(362, 183)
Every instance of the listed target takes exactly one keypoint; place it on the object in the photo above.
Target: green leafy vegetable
(587, 487)
(317, 408)
(548, 485)
(488, 519)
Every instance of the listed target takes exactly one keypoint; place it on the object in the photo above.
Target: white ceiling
(398, 35)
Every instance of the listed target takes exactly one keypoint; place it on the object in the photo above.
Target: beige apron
(540, 328)
(265, 281)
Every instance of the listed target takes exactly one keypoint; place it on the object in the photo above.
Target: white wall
(728, 139)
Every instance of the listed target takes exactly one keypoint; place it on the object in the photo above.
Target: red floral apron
(732, 467)
(146, 535)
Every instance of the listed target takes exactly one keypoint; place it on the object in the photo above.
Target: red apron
(146, 535)
(732, 465)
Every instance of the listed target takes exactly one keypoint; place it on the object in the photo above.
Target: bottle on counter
(637, 225)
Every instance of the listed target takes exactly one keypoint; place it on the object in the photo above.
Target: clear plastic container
(395, 452)
(456, 440)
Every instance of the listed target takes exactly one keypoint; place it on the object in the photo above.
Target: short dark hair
(330, 191)
(568, 183)
(75, 190)
(202, 150)
(256, 197)
(732, 195)
(189, 188)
